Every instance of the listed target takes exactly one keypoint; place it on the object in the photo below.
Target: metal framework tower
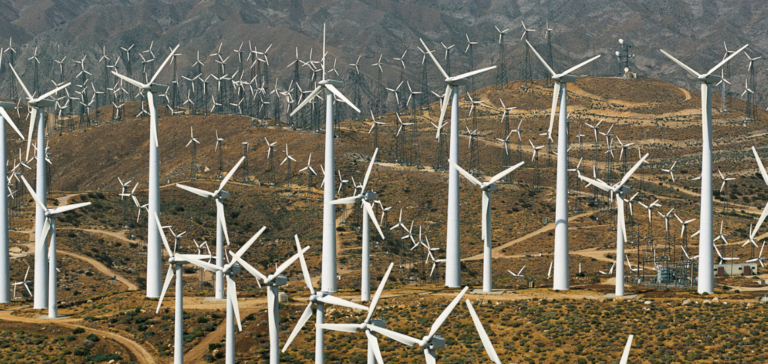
(623, 57)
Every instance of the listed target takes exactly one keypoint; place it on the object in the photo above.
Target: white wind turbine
(759, 258)
(366, 198)
(233, 311)
(429, 343)
(22, 283)
(706, 279)
(621, 233)
(318, 298)
(518, 274)
(453, 245)
(671, 170)
(487, 232)
(175, 261)
(684, 224)
(221, 224)
(273, 282)
(5, 265)
(329, 278)
(49, 225)
(37, 104)
(373, 343)
(154, 258)
(560, 280)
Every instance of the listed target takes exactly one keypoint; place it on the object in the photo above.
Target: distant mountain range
(693, 30)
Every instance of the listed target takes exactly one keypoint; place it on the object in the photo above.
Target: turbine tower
(37, 104)
(706, 280)
(329, 211)
(487, 188)
(154, 255)
(621, 230)
(561, 280)
(453, 248)
(5, 265)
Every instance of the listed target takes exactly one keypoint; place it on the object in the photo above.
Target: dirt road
(497, 251)
(136, 350)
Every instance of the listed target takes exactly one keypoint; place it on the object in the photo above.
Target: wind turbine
(329, 277)
(621, 232)
(373, 343)
(560, 280)
(50, 225)
(706, 278)
(221, 224)
(453, 246)
(430, 342)
(22, 283)
(487, 188)
(518, 274)
(37, 104)
(154, 258)
(273, 282)
(5, 265)
(233, 311)
(317, 298)
(175, 261)
(366, 198)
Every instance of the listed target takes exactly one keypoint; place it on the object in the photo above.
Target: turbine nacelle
(331, 82)
(564, 78)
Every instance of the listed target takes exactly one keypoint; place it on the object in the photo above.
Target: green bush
(92, 337)
(78, 330)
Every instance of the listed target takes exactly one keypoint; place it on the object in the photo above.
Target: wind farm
(435, 195)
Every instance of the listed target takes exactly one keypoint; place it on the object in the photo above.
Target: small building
(735, 269)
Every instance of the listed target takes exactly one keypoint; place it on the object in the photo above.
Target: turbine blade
(444, 316)
(196, 191)
(483, 335)
(162, 235)
(307, 99)
(466, 174)
(370, 167)
(373, 343)
(168, 279)
(681, 64)
(331, 300)
(299, 325)
(377, 295)
(231, 173)
(232, 297)
(157, 73)
(541, 59)
(507, 171)
(627, 347)
(582, 64)
(304, 268)
(341, 96)
(401, 338)
(472, 73)
(440, 68)
(222, 219)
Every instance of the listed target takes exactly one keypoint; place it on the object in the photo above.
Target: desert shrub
(78, 330)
